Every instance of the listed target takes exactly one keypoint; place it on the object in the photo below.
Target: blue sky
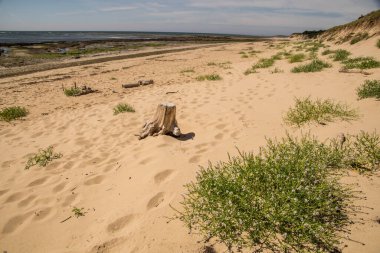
(259, 17)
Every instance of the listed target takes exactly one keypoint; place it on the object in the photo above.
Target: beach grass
(285, 198)
(307, 111)
(369, 89)
(315, 65)
(296, 58)
(122, 107)
(12, 113)
(327, 51)
(340, 55)
(42, 157)
(211, 77)
(359, 37)
(72, 91)
(361, 63)
(78, 212)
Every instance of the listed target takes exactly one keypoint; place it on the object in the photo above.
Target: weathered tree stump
(163, 122)
(139, 83)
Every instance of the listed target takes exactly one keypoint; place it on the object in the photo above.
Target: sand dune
(126, 186)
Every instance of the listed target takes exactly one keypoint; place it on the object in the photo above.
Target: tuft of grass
(122, 107)
(286, 198)
(78, 212)
(113, 78)
(12, 113)
(296, 58)
(42, 158)
(359, 37)
(262, 63)
(340, 55)
(327, 51)
(72, 91)
(370, 89)
(244, 56)
(187, 71)
(307, 110)
(211, 77)
(361, 63)
(315, 65)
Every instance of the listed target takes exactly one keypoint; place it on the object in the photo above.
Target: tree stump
(163, 122)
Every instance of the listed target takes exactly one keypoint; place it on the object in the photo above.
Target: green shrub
(361, 63)
(358, 37)
(42, 158)
(320, 111)
(11, 113)
(327, 51)
(370, 88)
(122, 107)
(283, 199)
(212, 77)
(296, 58)
(314, 66)
(340, 55)
(72, 91)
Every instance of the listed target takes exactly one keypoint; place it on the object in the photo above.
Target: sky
(253, 17)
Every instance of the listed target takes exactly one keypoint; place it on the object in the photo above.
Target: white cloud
(118, 8)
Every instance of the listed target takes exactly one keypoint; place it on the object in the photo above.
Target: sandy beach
(127, 186)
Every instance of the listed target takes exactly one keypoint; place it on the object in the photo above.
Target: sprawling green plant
(314, 66)
(370, 88)
(296, 58)
(307, 110)
(359, 37)
(361, 63)
(211, 77)
(283, 199)
(72, 91)
(340, 55)
(11, 113)
(42, 158)
(122, 107)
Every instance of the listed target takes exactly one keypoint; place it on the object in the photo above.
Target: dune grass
(42, 158)
(327, 51)
(315, 65)
(359, 37)
(211, 77)
(370, 89)
(297, 58)
(340, 55)
(307, 111)
(286, 198)
(72, 91)
(361, 63)
(122, 107)
(12, 113)
(262, 63)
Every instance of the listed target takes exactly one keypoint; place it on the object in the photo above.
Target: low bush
(122, 107)
(11, 113)
(212, 77)
(42, 158)
(361, 63)
(370, 89)
(315, 65)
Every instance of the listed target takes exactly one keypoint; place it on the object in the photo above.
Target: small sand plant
(211, 77)
(361, 63)
(78, 212)
(327, 51)
(340, 55)
(315, 65)
(370, 89)
(122, 107)
(42, 158)
(12, 113)
(72, 91)
(258, 201)
(359, 37)
(296, 58)
(187, 71)
(307, 110)
(262, 63)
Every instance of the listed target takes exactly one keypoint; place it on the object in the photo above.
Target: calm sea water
(37, 37)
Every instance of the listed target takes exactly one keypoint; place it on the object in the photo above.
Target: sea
(13, 37)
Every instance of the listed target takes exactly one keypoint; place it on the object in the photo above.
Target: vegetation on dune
(42, 158)
(327, 51)
(297, 58)
(307, 110)
(211, 77)
(361, 63)
(340, 55)
(72, 91)
(370, 89)
(78, 212)
(11, 113)
(122, 107)
(286, 198)
(224, 65)
(263, 63)
(378, 43)
(359, 37)
(314, 66)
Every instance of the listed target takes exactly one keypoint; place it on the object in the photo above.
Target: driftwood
(139, 83)
(343, 70)
(83, 90)
(163, 122)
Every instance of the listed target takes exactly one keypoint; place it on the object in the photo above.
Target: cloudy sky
(257, 17)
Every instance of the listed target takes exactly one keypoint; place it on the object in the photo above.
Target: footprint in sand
(38, 182)
(14, 197)
(42, 214)
(120, 223)
(59, 187)
(13, 223)
(95, 180)
(156, 200)
(162, 176)
(26, 201)
(194, 159)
